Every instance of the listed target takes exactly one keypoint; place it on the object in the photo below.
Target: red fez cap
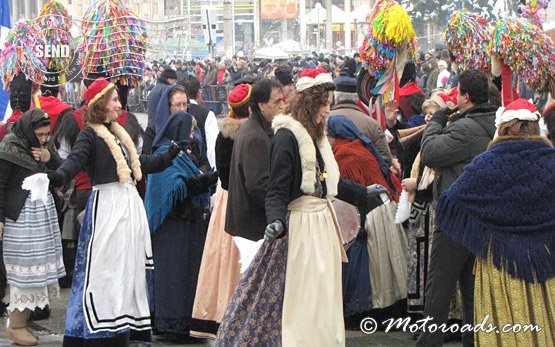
(239, 95)
(97, 89)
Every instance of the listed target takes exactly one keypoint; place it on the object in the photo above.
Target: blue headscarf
(162, 120)
(165, 188)
(343, 127)
(176, 128)
(163, 109)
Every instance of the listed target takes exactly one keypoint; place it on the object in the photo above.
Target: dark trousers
(449, 262)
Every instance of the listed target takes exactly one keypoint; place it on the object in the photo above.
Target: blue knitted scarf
(165, 188)
(504, 203)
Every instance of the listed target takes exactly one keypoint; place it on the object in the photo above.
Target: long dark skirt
(357, 292)
(177, 246)
(253, 316)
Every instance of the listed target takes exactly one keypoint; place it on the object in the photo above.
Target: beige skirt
(388, 248)
(313, 298)
(219, 273)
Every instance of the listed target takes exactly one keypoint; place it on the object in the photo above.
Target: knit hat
(442, 63)
(238, 97)
(520, 109)
(283, 75)
(345, 84)
(168, 73)
(97, 89)
(313, 77)
(350, 65)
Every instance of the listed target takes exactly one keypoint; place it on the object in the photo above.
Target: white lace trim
(36, 270)
(30, 298)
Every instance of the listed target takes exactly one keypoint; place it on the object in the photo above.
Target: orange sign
(278, 9)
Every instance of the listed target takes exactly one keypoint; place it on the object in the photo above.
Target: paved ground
(51, 330)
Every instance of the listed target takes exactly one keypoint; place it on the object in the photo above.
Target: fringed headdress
(114, 42)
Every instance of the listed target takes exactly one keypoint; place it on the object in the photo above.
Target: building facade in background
(184, 28)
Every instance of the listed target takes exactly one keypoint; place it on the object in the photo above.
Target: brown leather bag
(348, 219)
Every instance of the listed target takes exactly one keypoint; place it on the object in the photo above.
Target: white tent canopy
(288, 46)
(337, 16)
(270, 53)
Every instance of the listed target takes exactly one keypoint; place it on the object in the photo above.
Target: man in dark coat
(250, 163)
(447, 148)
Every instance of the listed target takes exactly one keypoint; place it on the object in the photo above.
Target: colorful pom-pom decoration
(467, 38)
(18, 56)
(113, 42)
(535, 11)
(55, 30)
(389, 43)
(389, 29)
(525, 49)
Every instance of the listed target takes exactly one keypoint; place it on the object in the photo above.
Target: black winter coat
(286, 178)
(248, 179)
(448, 149)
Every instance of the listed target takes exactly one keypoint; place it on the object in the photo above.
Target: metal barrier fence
(215, 98)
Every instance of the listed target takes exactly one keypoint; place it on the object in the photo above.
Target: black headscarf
(16, 146)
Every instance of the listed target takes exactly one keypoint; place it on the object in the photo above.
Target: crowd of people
(235, 205)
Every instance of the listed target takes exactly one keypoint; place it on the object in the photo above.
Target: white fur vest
(307, 152)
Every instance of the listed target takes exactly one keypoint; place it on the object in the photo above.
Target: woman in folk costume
(386, 240)
(359, 161)
(108, 298)
(219, 271)
(291, 293)
(175, 201)
(501, 209)
(31, 236)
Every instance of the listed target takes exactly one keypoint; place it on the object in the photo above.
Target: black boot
(40, 313)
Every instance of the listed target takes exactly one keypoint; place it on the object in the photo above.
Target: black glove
(374, 197)
(274, 230)
(371, 200)
(201, 183)
(56, 180)
(441, 117)
(176, 147)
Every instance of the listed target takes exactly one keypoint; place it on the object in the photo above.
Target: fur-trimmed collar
(537, 138)
(229, 127)
(122, 169)
(307, 152)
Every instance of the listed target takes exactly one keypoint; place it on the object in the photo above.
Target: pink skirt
(218, 276)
